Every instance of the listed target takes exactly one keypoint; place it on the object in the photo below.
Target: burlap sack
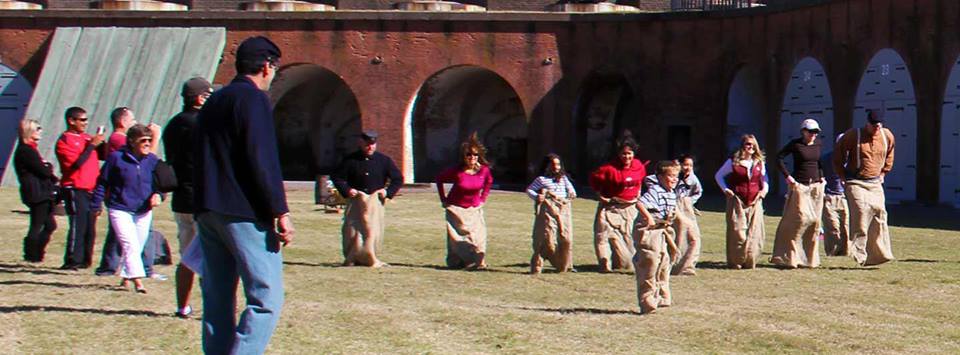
(797, 243)
(612, 229)
(836, 235)
(466, 236)
(553, 234)
(363, 230)
(745, 233)
(652, 265)
(687, 238)
(868, 222)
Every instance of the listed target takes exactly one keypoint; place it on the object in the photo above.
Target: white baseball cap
(810, 125)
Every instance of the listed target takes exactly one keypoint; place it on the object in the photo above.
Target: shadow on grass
(925, 261)
(445, 268)
(59, 284)
(16, 268)
(109, 312)
(580, 310)
(301, 263)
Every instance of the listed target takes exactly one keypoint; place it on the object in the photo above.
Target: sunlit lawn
(416, 306)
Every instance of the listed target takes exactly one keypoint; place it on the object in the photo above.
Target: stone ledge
(286, 6)
(139, 5)
(19, 5)
(593, 8)
(441, 6)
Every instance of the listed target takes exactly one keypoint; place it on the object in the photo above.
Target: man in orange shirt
(862, 158)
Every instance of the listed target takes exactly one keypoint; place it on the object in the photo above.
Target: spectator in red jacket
(77, 154)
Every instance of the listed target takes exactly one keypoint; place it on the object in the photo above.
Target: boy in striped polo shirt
(653, 237)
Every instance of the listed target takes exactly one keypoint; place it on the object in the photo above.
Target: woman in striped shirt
(553, 226)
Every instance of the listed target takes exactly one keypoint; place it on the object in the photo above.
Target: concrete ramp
(105, 67)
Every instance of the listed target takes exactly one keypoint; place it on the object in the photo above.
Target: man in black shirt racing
(367, 179)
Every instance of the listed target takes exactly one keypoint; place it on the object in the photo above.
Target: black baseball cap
(258, 48)
(369, 136)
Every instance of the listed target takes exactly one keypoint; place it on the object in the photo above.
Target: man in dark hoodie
(179, 150)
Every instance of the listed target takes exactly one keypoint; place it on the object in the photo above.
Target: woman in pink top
(466, 228)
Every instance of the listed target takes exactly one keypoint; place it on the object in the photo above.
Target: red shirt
(70, 146)
(615, 180)
(117, 140)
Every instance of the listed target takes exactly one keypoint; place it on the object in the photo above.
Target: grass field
(416, 306)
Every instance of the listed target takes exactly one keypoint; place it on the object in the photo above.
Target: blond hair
(667, 167)
(27, 128)
(757, 152)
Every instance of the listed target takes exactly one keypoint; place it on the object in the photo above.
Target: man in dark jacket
(179, 150)
(241, 210)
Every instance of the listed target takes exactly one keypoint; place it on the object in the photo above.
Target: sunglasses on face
(143, 140)
(81, 119)
(471, 155)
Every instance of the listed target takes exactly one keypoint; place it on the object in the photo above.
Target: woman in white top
(553, 226)
(743, 179)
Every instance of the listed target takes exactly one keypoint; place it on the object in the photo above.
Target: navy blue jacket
(237, 170)
(367, 174)
(126, 182)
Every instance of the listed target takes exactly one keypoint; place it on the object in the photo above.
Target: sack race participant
(553, 226)
(743, 179)
(654, 236)
(862, 158)
(796, 243)
(363, 229)
(618, 184)
(466, 227)
(687, 238)
(368, 179)
(685, 224)
(835, 220)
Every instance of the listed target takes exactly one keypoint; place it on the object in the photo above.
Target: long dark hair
(546, 167)
(624, 141)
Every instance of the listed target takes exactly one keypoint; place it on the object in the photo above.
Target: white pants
(186, 229)
(132, 231)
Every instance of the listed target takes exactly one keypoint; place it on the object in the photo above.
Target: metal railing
(711, 5)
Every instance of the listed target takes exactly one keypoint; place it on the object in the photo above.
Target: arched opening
(15, 92)
(886, 88)
(745, 107)
(807, 96)
(317, 120)
(602, 112)
(950, 140)
(461, 100)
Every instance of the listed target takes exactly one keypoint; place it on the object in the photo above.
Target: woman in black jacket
(37, 186)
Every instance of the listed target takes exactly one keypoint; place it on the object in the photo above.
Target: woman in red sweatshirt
(618, 184)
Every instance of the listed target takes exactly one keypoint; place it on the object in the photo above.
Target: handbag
(164, 179)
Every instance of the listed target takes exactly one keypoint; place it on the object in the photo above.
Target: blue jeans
(239, 247)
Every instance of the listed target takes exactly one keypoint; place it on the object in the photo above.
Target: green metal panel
(100, 68)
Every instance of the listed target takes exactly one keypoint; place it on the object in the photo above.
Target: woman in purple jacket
(126, 186)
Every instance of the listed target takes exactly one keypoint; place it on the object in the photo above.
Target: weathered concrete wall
(679, 66)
